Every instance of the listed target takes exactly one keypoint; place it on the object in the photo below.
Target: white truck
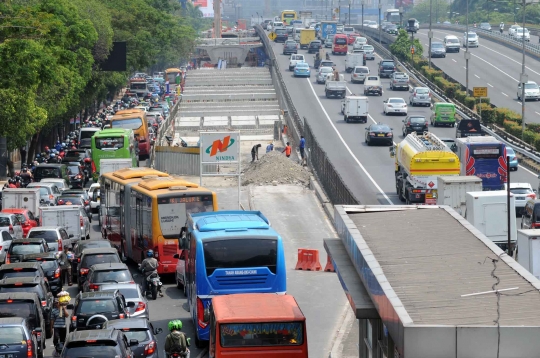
(452, 190)
(487, 211)
(355, 108)
(112, 165)
(333, 88)
(354, 59)
(528, 250)
(66, 216)
(21, 198)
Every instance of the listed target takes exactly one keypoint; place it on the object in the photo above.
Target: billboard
(206, 6)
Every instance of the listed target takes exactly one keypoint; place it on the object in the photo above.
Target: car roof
(12, 321)
(50, 166)
(52, 180)
(19, 296)
(46, 228)
(520, 185)
(93, 334)
(99, 250)
(96, 295)
(21, 241)
(26, 279)
(40, 184)
(128, 323)
(20, 265)
(109, 266)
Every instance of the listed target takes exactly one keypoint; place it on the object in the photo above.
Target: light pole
(430, 33)
(379, 21)
(350, 12)
(401, 16)
(467, 53)
(363, 2)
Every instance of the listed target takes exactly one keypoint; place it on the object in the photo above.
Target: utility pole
(430, 33)
(217, 19)
(379, 21)
(467, 53)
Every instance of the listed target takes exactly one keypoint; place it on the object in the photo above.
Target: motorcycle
(153, 285)
(179, 355)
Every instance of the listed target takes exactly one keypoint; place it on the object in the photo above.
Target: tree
(401, 48)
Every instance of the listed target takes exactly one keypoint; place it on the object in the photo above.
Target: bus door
(139, 225)
(122, 224)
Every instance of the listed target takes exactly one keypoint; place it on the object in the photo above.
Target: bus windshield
(261, 334)
(240, 253)
(173, 211)
(110, 143)
(131, 123)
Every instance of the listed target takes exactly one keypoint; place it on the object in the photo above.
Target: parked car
(12, 223)
(51, 267)
(17, 338)
(98, 343)
(28, 307)
(99, 305)
(138, 329)
(26, 218)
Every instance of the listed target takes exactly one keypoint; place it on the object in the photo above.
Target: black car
(106, 274)
(92, 257)
(392, 29)
(21, 269)
(386, 68)
(379, 133)
(98, 343)
(58, 171)
(99, 305)
(26, 246)
(281, 35)
(418, 124)
(33, 285)
(17, 338)
(27, 306)
(77, 178)
(140, 329)
(51, 267)
(80, 246)
(290, 47)
(77, 155)
(314, 46)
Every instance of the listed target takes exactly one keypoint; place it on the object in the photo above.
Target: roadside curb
(326, 204)
(346, 323)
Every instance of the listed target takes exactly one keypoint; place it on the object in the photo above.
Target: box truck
(112, 165)
(21, 198)
(528, 250)
(452, 190)
(68, 217)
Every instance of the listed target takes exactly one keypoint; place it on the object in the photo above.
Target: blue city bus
(485, 157)
(228, 252)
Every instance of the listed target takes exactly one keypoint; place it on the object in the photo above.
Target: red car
(25, 216)
(351, 38)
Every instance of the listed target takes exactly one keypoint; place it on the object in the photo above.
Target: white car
(180, 273)
(472, 39)
(395, 105)
(294, 60)
(373, 25)
(451, 43)
(512, 30)
(520, 32)
(5, 243)
(532, 91)
(522, 192)
(85, 224)
(369, 51)
(359, 74)
(61, 184)
(94, 204)
(359, 42)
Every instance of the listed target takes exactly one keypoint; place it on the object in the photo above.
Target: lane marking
(490, 85)
(527, 170)
(537, 113)
(454, 60)
(504, 94)
(476, 76)
(347, 146)
(519, 102)
(464, 67)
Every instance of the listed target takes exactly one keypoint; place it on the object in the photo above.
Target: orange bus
(134, 119)
(257, 325)
(158, 208)
(113, 212)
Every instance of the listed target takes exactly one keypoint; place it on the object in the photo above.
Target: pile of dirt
(275, 168)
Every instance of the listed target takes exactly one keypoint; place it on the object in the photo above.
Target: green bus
(114, 143)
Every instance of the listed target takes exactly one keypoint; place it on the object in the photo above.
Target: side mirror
(158, 331)
(183, 243)
(133, 342)
(70, 306)
(130, 304)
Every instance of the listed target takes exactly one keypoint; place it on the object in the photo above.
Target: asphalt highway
(492, 65)
(367, 171)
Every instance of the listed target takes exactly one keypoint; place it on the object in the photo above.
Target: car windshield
(437, 45)
(326, 70)
(73, 169)
(452, 40)
(90, 260)
(139, 335)
(510, 151)
(26, 248)
(18, 309)
(47, 172)
(11, 335)
(132, 123)
(417, 119)
(94, 350)
(48, 265)
(108, 276)
(42, 190)
(472, 35)
(93, 244)
(87, 134)
(396, 100)
(70, 200)
(531, 86)
(422, 90)
(361, 70)
(48, 235)
(89, 307)
(368, 48)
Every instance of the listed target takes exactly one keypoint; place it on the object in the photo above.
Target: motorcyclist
(26, 176)
(12, 183)
(148, 266)
(58, 145)
(501, 27)
(176, 341)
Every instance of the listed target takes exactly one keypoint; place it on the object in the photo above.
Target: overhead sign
(220, 147)
(480, 91)
(272, 36)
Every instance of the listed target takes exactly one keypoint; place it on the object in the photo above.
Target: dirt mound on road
(275, 168)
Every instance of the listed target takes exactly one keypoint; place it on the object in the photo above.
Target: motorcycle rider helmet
(150, 253)
(175, 325)
(24, 169)
(53, 155)
(11, 181)
(46, 148)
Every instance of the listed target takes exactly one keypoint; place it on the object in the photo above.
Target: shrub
(469, 102)
(502, 114)
(484, 100)
(537, 143)
(535, 127)
(529, 137)
(431, 73)
(512, 128)
(460, 96)
(488, 113)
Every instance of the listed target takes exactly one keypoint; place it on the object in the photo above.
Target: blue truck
(327, 28)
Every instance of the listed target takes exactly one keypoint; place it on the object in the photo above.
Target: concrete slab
(268, 120)
(215, 122)
(244, 122)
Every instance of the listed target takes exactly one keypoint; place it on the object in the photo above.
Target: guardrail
(163, 129)
(317, 159)
(519, 146)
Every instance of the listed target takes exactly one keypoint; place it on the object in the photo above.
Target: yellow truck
(306, 36)
(420, 159)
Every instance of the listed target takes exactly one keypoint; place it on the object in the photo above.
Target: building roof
(431, 257)
(256, 307)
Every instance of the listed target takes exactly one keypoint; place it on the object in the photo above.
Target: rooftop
(429, 270)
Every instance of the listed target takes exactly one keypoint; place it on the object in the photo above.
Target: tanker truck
(419, 160)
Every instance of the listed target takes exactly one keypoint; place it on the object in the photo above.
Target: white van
(277, 24)
(451, 43)
(85, 136)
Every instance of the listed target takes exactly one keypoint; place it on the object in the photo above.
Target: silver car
(532, 91)
(522, 192)
(369, 51)
(48, 192)
(420, 96)
(322, 73)
(328, 40)
(132, 293)
(359, 74)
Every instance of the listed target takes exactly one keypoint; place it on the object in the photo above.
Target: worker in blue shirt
(269, 147)
(302, 146)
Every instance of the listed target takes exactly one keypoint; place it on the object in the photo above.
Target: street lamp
(467, 53)
(379, 21)
(401, 16)
(350, 1)
(363, 2)
(430, 33)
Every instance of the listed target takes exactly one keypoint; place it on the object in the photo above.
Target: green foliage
(431, 73)
(401, 47)
(460, 96)
(535, 127)
(505, 114)
(488, 113)
(420, 11)
(469, 102)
